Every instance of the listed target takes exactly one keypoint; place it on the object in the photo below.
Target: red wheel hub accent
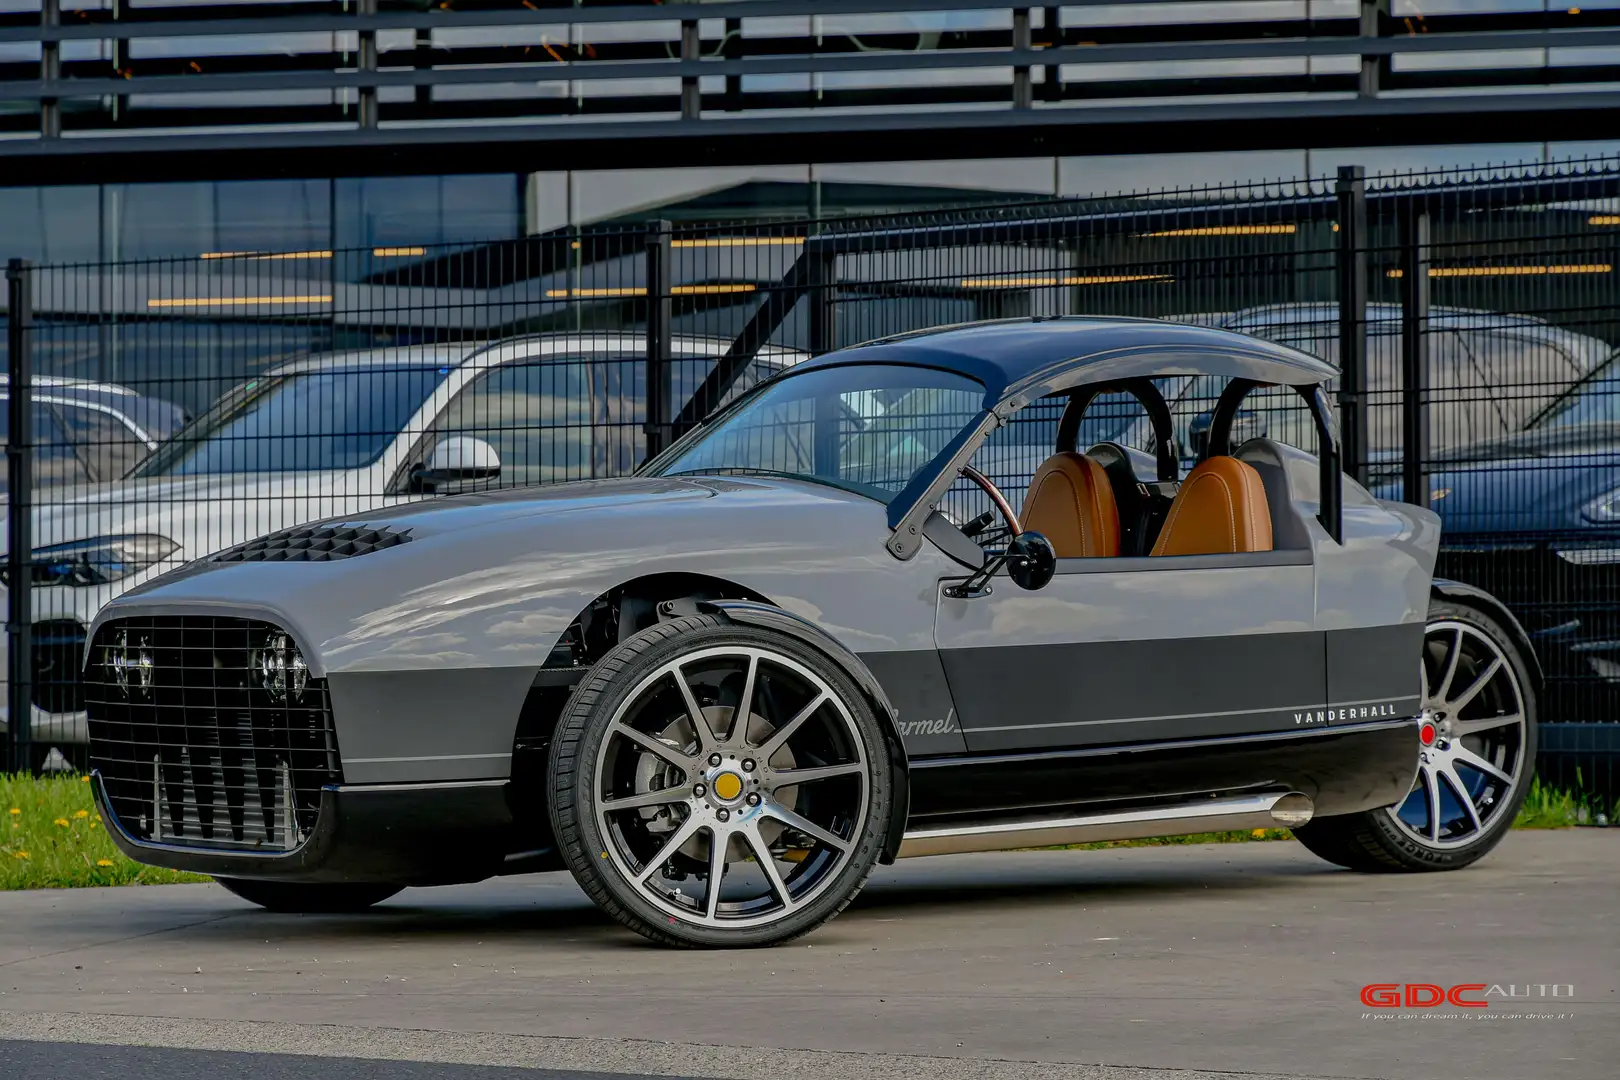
(1426, 734)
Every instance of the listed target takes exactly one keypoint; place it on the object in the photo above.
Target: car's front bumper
(405, 834)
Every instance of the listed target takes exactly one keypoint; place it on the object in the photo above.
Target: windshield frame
(1574, 390)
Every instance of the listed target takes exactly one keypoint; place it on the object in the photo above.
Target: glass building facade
(120, 222)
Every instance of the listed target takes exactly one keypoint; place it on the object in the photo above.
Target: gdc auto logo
(1463, 995)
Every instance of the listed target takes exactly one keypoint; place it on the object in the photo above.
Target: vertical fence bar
(1352, 272)
(660, 333)
(1414, 224)
(19, 519)
(823, 280)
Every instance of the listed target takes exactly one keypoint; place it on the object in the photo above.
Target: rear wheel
(305, 899)
(719, 785)
(1476, 748)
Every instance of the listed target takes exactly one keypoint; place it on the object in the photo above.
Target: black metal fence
(161, 411)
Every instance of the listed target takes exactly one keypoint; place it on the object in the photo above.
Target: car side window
(569, 417)
(539, 416)
(54, 459)
(106, 445)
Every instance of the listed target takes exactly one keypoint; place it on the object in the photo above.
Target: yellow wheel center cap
(728, 785)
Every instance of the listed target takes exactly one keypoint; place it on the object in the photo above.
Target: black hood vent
(316, 543)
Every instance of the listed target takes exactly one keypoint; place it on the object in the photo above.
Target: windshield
(1593, 400)
(338, 418)
(864, 427)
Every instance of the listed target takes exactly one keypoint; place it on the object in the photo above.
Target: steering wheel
(997, 499)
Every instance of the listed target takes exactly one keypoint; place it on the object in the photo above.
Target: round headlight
(129, 664)
(281, 669)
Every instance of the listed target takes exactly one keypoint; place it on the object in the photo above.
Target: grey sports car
(720, 690)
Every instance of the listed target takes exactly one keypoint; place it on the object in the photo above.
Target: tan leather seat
(1220, 509)
(1071, 502)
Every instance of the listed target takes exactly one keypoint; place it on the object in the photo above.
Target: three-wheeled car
(718, 692)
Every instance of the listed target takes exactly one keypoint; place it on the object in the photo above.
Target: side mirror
(1031, 560)
(459, 459)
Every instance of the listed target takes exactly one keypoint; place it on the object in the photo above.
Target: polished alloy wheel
(1471, 738)
(731, 786)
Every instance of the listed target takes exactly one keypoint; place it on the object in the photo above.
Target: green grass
(1550, 808)
(52, 838)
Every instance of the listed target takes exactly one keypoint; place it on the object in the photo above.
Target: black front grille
(311, 543)
(58, 648)
(207, 732)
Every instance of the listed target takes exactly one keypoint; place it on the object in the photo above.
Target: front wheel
(719, 785)
(296, 898)
(1476, 749)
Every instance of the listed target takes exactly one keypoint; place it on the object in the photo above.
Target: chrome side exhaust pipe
(1272, 811)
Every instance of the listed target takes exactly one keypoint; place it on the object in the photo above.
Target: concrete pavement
(1104, 965)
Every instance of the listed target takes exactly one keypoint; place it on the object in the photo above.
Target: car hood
(463, 514)
(1520, 494)
(202, 513)
(502, 573)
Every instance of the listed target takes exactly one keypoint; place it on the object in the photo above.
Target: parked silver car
(331, 436)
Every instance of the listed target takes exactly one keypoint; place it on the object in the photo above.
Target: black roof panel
(1043, 355)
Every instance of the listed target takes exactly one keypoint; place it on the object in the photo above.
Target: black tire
(1379, 841)
(296, 898)
(573, 789)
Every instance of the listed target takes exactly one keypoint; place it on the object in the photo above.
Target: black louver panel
(316, 543)
(208, 731)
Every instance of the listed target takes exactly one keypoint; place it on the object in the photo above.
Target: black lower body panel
(1342, 769)
(405, 834)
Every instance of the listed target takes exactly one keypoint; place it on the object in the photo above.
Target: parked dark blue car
(1534, 518)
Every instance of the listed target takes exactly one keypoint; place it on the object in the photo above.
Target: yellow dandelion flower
(92, 824)
(62, 821)
(104, 862)
(14, 810)
(82, 814)
(84, 779)
(19, 854)
(1259, 834)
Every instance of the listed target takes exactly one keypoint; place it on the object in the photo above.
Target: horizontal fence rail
(167, 410)
(127, 82)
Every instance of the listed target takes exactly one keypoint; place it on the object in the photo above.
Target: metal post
(660, 333)
(732, 49)
(1415, 354)
(422, 60)
(691, 51)
(19, 515)
(1023, 96)
(368, 62)
(1053, 88)
(1352, 193)
(1374, 69)
(50, 69)
(823, 277)
(120, 56)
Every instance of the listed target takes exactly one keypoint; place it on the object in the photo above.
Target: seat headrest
(1220, 509)
(1071, 502)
